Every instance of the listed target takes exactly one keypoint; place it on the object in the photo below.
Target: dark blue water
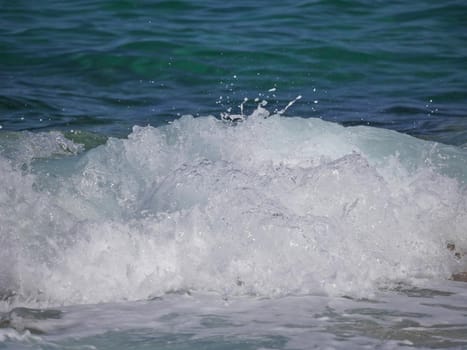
(105, 67)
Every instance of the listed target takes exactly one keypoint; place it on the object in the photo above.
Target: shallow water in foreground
(405, 317)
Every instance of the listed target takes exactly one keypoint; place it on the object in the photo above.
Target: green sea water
(106, 66)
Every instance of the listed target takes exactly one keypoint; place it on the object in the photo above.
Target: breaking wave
(267, 206)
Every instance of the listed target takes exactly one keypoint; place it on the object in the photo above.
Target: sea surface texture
(233, 175)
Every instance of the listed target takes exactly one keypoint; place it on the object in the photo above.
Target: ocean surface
(252, 175)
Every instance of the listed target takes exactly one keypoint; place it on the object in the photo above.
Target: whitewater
(265, 232)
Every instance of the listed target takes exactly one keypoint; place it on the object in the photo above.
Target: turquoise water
(108, 66)
(260, 175)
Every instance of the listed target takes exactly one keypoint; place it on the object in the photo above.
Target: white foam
(23, 147)
(268, 206)
(12, 335)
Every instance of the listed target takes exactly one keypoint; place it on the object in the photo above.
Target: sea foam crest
(269, 206)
